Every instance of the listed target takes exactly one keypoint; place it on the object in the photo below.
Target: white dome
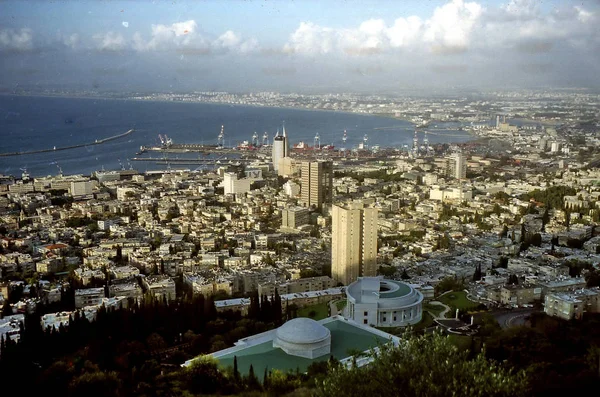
(302, 331)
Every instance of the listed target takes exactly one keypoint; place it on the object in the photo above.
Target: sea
(34, 122)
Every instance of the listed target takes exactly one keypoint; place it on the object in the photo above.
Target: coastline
(88, 97)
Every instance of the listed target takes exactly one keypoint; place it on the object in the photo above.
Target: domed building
(383, 303)
(303, 337)
(301, 342)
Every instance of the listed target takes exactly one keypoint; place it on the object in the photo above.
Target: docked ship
(303, 146)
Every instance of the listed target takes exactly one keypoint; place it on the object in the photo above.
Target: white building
(88, 297)
(280, 149)
(457, 166)
(293, 217)
(291, 189)
(81, 188)
(450, 193)
(303, 337)
(233, 185)
(383, 303)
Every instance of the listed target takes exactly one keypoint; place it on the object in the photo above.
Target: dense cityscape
(499, 229)
(338, 203)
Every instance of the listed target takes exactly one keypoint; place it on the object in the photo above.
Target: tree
(251, 380)
(404, 275)
(6, 308)
(100, 384)
(504, 231)
(236, 372)
(477, 274)
(203, 376)
(426, 365)
(449, 284)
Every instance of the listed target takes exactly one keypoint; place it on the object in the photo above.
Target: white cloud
(16, 40)
(451, 25)
(185, 37)
(311, 39)
(109, 41)
(71, 41)
(227, 40)
(453, 28)
(179, 34)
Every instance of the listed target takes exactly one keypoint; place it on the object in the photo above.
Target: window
(384, 318)
(365, 321)
(394, 318)
(366, 314)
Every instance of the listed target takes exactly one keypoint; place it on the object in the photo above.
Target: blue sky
(304, 45)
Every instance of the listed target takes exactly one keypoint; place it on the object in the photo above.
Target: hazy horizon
(309, 46)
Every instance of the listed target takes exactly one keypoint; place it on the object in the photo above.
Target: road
(513, 318)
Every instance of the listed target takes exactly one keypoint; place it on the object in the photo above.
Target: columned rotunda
(383, 303)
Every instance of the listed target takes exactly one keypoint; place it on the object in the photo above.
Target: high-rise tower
(353, 242)
(317, 183)
(280, 148)
(457, 166)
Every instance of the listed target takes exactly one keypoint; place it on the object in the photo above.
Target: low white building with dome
(301, 342)
(303, 337)
(383, 303)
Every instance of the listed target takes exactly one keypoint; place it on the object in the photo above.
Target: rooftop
(346, 338)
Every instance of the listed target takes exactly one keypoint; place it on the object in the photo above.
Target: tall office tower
(497, 121)
(279, 149)
(317, 183)
(286, 145)
(457, 166)
(353, 242)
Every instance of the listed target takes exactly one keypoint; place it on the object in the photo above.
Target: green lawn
(426, 322)
(458, 300)
(341, 304)
(321, 310)
(433, 309)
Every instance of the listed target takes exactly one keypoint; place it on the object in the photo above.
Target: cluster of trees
(552, 197)
(558, 357)
(265, 309)
(477, 274)
(126, 346)
(426, 365)
(449, 284)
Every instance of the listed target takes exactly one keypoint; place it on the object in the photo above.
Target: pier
(56, 149)
(164, 161)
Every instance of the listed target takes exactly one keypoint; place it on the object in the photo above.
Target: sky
(309, 46)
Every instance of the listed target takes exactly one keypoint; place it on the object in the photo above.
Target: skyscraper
(317, 183)
(353, 242)
(457, 166)
(281, 148)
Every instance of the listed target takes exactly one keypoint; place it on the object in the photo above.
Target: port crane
(165, 141)
(221, 138)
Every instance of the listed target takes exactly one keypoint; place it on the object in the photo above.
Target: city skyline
(304, 46)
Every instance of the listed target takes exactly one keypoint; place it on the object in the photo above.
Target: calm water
(30, 123)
